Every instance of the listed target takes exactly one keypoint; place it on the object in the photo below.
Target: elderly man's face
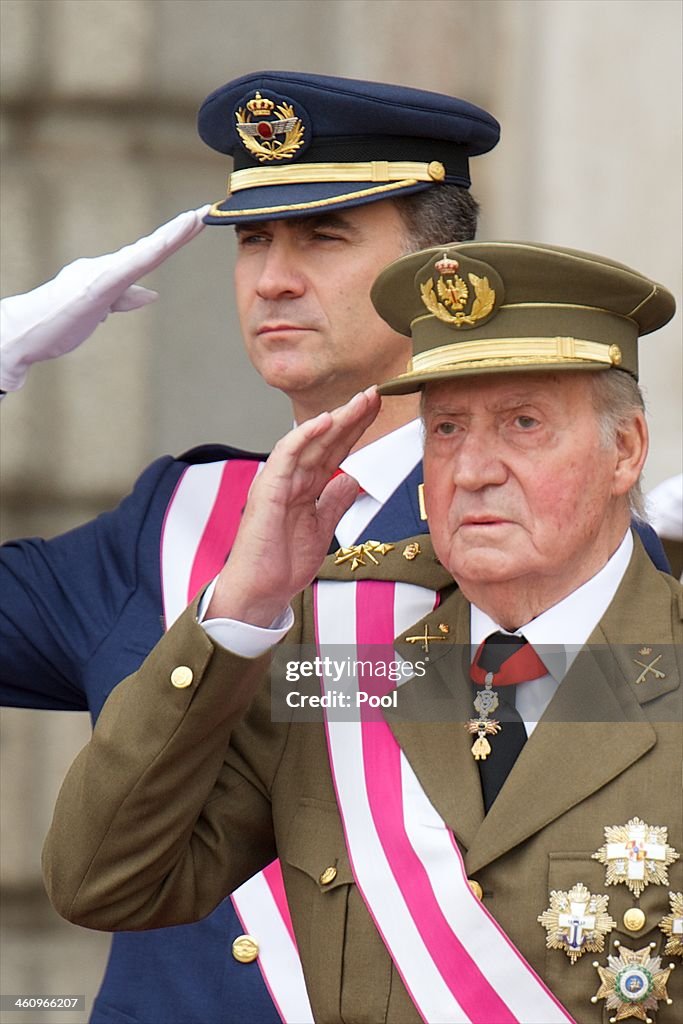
(517, 483)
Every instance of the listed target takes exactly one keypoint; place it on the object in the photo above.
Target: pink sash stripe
(276, 884)
(199, 529)
(382, 757)
(224, 520)
(456, 962)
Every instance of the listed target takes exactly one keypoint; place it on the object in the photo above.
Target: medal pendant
(481, 748)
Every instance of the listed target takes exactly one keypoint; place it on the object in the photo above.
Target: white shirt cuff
(242, 638)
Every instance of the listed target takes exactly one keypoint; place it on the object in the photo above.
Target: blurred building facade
(99, 146)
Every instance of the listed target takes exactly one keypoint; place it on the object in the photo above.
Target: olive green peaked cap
(492, 307)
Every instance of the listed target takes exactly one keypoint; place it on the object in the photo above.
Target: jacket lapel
(429, 722)
(573, 738)
(399, 516)
(597, 696)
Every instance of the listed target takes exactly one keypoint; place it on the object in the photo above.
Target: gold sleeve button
(181, 676)
(328, 875)
(245, 949)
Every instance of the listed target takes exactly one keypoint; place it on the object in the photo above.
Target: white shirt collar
(567, 624)
(380, 466)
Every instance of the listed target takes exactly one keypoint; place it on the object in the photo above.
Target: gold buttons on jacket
(181, 676)
(328, 875)
(245, 949)
(476, 888)
(634, 919)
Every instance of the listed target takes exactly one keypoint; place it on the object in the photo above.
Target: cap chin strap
(311, 204)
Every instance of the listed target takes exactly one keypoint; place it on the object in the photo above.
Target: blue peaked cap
(304, 144)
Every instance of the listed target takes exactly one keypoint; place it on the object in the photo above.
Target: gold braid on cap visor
(302, 174)
(394, 176)
(513, 352)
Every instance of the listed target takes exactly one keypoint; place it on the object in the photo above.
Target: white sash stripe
(483, 939)
(511, 983)
(278, 958)
(184, 524)
(336, 604)
(182, 534)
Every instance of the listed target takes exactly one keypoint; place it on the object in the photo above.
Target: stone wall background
(98, 147)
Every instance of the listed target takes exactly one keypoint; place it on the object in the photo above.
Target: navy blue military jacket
(81, 612)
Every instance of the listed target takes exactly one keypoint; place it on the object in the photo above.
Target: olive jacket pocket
(336, 935)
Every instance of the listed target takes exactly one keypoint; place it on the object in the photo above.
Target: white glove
(58, 316)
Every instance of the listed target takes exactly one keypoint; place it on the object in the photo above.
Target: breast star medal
(633, 983)
(636, 854)
(576, 921)
(672, 925)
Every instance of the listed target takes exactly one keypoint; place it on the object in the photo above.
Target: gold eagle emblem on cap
(261, 137)
(450, 300)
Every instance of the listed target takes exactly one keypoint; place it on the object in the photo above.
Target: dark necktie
(511, 659)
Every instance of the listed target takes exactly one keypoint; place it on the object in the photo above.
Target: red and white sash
(455, 960)
(199, 530)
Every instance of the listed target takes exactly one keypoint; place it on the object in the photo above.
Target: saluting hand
(58, 316)
(291, 515)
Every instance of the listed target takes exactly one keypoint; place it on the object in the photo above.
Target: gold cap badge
(448, 297)
(279, 139)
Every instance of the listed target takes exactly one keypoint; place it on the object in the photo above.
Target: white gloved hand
(58, 316)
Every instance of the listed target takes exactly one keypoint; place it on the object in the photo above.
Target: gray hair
(616, 399)
(437, 216)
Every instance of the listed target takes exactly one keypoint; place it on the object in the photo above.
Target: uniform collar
(567, 624)
(382, 465)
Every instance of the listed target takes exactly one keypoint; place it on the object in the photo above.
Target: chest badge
(672, 925)
(633, 983)
(636, 854)
(576, 921)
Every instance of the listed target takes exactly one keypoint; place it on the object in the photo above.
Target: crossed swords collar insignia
(647, 660)
(633, 982)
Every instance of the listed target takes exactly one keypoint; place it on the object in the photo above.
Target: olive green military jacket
(184, 792)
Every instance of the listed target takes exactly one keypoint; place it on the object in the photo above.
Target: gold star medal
(633, 983)
(672, 925)
(636, 854)
(576, 921)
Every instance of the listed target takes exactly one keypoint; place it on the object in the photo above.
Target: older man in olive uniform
(500, 841)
